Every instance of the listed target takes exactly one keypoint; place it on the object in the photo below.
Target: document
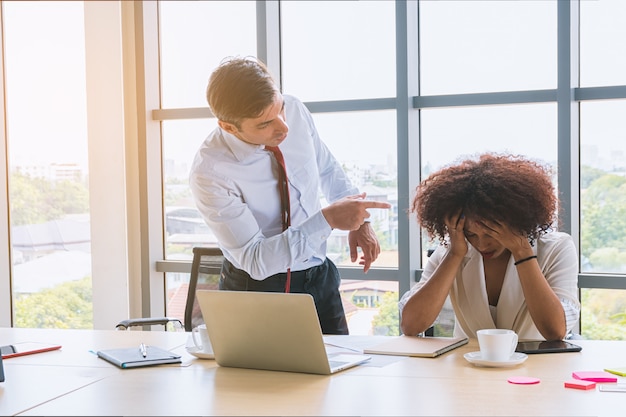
(141, 355)
(426, 347)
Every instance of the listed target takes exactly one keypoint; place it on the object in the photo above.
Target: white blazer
(558, 261)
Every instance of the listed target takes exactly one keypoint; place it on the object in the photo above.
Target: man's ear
(229, 127)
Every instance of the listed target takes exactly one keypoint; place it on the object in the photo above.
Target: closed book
(133, 357)
(425, 347)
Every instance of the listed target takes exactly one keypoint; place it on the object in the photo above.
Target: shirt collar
(240, 149)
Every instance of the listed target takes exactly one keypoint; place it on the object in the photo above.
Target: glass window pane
(450, 134)
(603, 186)
(371, 307)
(338, 50)
(48, 175)
(602, 314)
(485, 46)
(195, 37)
(355, 140)
(184, 226)
(602, 43)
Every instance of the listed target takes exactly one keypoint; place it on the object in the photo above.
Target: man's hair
(508, 189)
(240, 88)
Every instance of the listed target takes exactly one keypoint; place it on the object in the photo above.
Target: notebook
(134, 358)
(269, 330)
(425, 347)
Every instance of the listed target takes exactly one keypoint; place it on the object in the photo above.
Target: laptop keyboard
(334, 364)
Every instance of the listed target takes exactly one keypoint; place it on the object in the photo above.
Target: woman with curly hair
(499, 260)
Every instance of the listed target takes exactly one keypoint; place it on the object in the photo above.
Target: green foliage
(66, 306)
(602, 315)
(37, 200)
(603, 224)
(588, 175)
(388, 318)
(608, 259)
(386, 183)
(443, 331)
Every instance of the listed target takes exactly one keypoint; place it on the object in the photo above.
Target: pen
(143, 350)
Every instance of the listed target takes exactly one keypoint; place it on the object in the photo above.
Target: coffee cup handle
(194, 332)
(514, 343)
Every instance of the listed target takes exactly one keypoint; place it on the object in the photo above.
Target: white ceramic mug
(497, 345)
(204, 344)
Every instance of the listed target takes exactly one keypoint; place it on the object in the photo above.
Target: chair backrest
(206, 268)
(205, 275)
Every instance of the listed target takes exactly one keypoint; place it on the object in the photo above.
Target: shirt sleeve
(561, 271)
(431, 265)
(239, 233)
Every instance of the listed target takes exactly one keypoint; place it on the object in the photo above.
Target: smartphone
(547, 346)
(26, 348)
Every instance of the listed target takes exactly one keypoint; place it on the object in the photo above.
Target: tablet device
(547, 346)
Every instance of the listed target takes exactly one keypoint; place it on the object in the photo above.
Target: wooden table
(74, 381)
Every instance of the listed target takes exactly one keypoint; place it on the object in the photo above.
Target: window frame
(132, 275)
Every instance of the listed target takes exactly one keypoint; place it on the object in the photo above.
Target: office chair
(205, 274)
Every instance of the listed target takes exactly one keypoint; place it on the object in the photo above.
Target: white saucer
(476, 359)
(199, 354)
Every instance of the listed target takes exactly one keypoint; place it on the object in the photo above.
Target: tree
(386, 322)
(37, 200)
(66, 306)
(588, 175)
(603, 222)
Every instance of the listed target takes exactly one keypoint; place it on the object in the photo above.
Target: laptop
(270, 331)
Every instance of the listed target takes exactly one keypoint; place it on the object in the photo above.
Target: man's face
(270, 128)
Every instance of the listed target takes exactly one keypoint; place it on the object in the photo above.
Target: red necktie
(283, 186)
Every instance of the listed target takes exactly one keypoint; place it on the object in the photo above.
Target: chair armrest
(125, 324)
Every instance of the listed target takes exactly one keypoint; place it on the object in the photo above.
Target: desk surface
(73, 381)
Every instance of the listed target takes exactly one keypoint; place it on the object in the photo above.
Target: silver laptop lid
(264, 330)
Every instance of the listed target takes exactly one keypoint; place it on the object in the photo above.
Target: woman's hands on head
(517, 243)
(455, 224)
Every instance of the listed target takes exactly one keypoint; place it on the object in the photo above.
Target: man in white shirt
(234, 180)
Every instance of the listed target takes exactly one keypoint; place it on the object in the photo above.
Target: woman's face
(478, 236)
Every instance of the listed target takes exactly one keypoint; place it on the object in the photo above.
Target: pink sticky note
(580, 384)
(595, 376)
(523, 380)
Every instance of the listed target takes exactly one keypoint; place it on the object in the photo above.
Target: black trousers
(322, 282)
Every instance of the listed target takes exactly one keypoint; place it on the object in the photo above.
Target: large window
(104, 108)
(47, 163)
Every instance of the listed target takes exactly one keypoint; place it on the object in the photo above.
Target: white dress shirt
(235, 186)
(558, 261)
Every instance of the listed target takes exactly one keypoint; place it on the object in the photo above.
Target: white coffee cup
(204, 343)
(497, 345)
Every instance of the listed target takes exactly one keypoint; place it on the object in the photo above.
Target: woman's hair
(508, 189)
(240, 88)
